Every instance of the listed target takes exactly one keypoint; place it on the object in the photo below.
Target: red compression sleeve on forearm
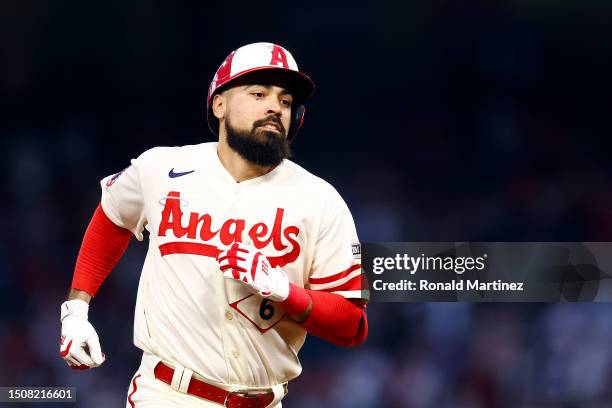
(332, 317)
(103, 245)
(298, 300)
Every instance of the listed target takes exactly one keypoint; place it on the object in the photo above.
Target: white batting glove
(79, 344)
(246, 264)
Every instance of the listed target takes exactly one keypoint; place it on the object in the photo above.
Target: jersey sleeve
(336, 264)
(122, 198)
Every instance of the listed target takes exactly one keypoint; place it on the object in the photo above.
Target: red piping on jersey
(103, 245)
(133, 391)
(356, 283)
(337, 276)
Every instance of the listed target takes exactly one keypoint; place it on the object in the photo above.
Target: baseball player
(247, 251)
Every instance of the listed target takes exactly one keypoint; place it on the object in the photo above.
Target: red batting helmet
(257, 57)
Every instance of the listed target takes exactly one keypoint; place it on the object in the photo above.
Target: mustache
(270, 119)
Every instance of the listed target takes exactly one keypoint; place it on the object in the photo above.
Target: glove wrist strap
(76, 307)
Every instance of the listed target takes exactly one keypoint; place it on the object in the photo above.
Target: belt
(236, 399)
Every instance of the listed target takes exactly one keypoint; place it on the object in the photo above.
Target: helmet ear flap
(296, 122)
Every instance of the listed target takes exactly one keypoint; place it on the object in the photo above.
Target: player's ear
(219, 105)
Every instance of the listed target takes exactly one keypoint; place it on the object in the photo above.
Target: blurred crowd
(435, 121)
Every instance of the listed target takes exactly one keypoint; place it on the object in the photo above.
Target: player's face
(257, 118)
(263, 109)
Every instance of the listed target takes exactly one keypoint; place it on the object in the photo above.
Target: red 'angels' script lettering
(232, 230)
(278, 55)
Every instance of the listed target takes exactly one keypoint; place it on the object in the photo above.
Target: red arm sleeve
(103, 245)
(332, 317)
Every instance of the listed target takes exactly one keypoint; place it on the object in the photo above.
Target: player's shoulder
(161, 154)
(328, 200)
(307, 181)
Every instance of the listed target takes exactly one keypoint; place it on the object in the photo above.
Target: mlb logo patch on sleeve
(356, 247)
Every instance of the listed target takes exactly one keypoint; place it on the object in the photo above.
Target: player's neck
(237, 166)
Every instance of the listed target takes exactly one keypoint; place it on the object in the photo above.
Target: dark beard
(259, 146)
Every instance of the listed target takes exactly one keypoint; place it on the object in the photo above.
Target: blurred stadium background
(436, 120)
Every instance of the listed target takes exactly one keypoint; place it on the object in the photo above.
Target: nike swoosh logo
(172, 174)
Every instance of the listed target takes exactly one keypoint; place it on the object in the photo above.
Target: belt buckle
(244, 394)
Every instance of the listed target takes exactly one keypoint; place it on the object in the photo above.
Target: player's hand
(79, 344)
(246, 264)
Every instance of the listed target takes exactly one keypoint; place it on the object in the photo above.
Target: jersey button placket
(229, 315)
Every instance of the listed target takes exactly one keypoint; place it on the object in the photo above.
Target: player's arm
(77, 294)
(103, 245)
(119, 216)
(340, 321)
(336, 285)
(326, 315)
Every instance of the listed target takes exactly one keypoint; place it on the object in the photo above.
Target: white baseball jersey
(186, 311)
